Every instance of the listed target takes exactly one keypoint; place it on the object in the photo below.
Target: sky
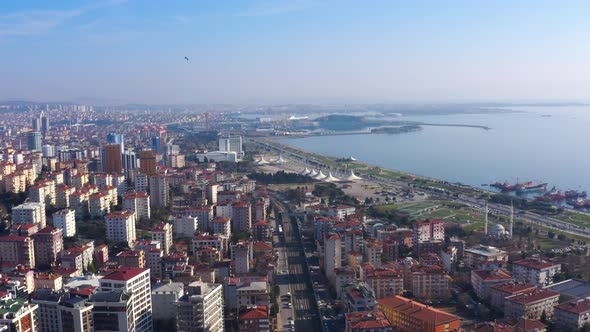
(298, 51)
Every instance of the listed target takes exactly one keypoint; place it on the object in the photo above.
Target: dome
(498, 229)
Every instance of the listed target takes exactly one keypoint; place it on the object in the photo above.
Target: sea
(536, 143)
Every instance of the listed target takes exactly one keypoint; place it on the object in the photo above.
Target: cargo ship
(579, 203)
(554, 195)
(529, 187)
(520, 188)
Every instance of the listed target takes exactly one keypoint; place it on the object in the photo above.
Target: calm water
(523, 146)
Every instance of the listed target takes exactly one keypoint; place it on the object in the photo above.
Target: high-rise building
(162, 233)
(135, 281)
(112, 158)
(159, 191)
(157, 144)
(36, 123)
(62, 311)
(147, 162)
(113, 138)
(34, 141)
(201, 309)
(44, 123)
(141, 182)
(66, 220)
(48, 244)
(17, 250)
(333, 254)
(164, 297)
(113, 311)
(48, 151)
(241, 217)
(429, 230)
(29, 213)
(130, 161)
(139, 202)
(120, 226)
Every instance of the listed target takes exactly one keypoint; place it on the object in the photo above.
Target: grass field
(576, 218)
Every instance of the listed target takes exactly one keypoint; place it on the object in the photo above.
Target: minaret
(486, 225)
(511, 218)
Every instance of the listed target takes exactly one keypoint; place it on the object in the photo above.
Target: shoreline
(564, 221)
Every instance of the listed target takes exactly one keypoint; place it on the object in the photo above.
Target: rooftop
(531, 297)
(485, 250)
(487, 275)
(536, 263)
(124, 274)
(513, 288)
(253, 313)
(572, 288)
(417, 310)
(366, 320)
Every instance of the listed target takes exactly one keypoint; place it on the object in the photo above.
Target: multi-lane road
(296, 299)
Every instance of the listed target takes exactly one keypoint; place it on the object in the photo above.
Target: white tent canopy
(331, 178)
(352, 176)
(320, 176)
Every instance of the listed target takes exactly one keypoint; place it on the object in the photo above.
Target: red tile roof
(124, 274)
(487, 275)
(366, 320)
(534, 263)
(513, 288)
(531, 297)
(576, 306)
(417, 310)
(259, 312)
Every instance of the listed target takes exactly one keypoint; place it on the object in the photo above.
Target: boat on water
(529, 187)
(504, 187)
(520, 188)
(579, 203)
(574, 194)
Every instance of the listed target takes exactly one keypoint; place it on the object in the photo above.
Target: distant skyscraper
(34, 141)
(112, 158)
(147, 162)
(113, 138)
(157, 144)
(36, 124)
(44, 123)
(130, 161)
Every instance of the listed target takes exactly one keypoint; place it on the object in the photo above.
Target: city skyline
(117, 51)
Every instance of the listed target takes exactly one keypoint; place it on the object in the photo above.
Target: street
(292, 277)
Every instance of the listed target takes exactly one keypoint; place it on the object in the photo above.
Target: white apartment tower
(120, 226)
(136, 282)
(66, 220)
(29, 213)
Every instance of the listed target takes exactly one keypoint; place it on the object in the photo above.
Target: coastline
(573, 222)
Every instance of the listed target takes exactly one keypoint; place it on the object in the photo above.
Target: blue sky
(297, 51)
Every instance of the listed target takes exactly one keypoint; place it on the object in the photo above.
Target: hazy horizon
(294, 52)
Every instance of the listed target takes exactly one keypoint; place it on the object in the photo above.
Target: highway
(292, 276)
(474, 202)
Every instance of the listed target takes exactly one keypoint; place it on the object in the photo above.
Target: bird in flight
(186, 58)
